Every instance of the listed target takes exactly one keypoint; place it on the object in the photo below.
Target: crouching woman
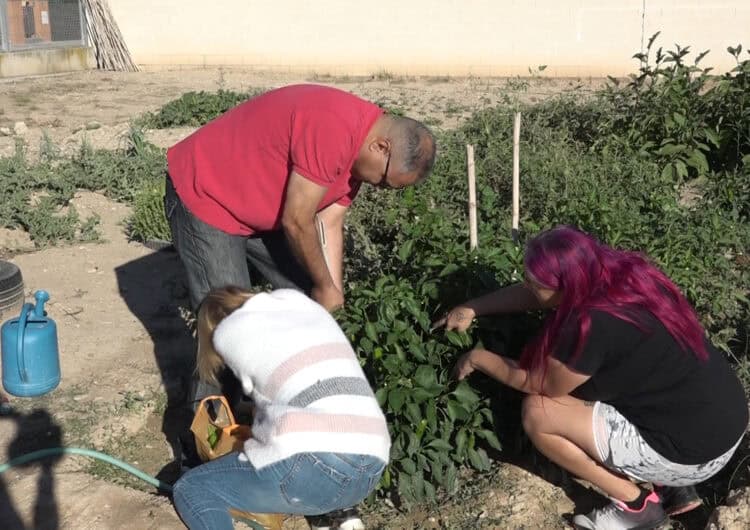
(623, 387)
(320, 441)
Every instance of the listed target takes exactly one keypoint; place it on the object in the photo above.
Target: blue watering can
(31, 362)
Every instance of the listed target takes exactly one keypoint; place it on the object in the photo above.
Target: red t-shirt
(232, 173)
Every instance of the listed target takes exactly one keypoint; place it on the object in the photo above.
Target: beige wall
(456, 37)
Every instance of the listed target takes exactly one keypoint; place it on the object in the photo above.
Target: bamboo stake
(516, 177)
(109, 45)
(472, 197)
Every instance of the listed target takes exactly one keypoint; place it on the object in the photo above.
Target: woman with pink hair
(623, 386)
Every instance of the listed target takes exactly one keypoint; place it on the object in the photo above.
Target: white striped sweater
(307, 385)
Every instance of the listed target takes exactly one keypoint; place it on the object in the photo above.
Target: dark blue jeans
(213, 259)
(305, 484)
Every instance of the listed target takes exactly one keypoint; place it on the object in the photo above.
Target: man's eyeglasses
(384, 179)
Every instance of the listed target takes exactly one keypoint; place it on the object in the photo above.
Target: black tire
(11, 289)
(10, 276)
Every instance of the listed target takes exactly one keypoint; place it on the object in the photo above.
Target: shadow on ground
(34, 431)
(153, 289)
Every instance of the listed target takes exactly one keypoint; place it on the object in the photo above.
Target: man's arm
(298, 222)
(332, 226)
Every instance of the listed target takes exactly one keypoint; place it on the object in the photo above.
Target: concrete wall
(455, 37)
(45, 61)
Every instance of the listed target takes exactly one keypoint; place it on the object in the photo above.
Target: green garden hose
(54, 451)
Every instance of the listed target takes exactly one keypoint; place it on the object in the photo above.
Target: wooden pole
(110, 48)
(472, 197)
(516, 177)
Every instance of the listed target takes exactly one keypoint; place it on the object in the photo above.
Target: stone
(20, 128)
(16, 240)
(90, 126)
(735, 515)
(5, 131)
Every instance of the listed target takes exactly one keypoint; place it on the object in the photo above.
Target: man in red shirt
(264, 181)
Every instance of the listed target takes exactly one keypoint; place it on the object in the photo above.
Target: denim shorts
(622, 448)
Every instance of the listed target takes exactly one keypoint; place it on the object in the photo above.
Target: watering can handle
(27, 308)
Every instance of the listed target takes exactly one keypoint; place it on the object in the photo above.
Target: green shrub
(120, 175)
(32, 198)
(47, 225)
(195, 108)
(148, 221)
(434, 423)
(686, 119)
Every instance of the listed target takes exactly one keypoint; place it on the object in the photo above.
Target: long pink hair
(590, 275)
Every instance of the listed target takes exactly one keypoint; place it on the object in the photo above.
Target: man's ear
(380, 145)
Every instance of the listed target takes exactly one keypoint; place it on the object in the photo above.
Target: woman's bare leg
(562, 429)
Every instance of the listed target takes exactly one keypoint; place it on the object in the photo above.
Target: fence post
(472, 197)
(4, 46)
(85, 40)
(516, 177)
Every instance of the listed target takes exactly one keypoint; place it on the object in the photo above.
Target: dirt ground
(98, 106)
(123, 338)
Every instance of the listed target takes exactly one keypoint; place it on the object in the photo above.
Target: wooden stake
(472, 197)
(110, 49)
(516, 171)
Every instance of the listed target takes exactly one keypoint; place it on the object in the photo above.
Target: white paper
(45, 17)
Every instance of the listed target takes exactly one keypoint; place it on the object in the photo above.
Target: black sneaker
(678, 499)
(616, 516)
(347, 519)
(188, 457)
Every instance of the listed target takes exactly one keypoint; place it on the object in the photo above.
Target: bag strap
(224, 403)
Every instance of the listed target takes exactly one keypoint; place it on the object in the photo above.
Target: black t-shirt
(687, 410)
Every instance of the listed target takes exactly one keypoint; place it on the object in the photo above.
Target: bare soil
(124, 343)
(63, 106)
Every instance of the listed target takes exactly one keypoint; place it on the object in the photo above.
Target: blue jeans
(304, 484)
(214, 259)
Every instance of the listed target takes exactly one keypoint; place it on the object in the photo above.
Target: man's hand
(459, 319)
(330, 297)
(464, 367)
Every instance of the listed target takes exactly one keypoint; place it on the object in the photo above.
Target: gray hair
(413, 145)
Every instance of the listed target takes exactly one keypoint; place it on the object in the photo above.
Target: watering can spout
(41, 297)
